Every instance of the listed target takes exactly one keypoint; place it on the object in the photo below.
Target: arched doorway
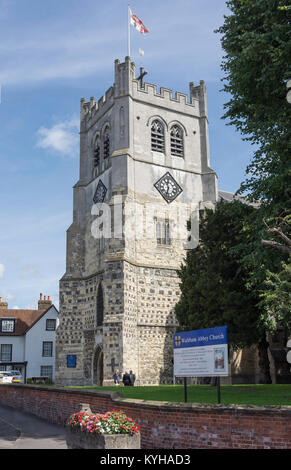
(98, 367)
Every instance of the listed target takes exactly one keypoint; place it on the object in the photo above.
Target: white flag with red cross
(137, 23)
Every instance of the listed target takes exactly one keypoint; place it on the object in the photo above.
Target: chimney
(3, 305)
(44, 303)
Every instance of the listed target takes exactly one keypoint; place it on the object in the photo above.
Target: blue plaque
(71, 360)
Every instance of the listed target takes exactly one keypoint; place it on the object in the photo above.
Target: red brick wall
(164, 425)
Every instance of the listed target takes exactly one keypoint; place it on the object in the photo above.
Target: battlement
(127, 84)
(166, 94)
(90, 109)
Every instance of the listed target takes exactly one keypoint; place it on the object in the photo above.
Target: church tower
(144, 171)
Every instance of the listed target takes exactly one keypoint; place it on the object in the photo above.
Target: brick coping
(116, 397)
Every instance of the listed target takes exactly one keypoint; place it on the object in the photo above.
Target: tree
(276, 299)
(214, 284)
(256, 38)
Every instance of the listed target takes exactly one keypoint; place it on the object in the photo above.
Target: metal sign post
(185, 389)
(218, 390)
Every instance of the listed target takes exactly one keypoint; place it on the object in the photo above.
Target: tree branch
(278, 246)
(280, 234)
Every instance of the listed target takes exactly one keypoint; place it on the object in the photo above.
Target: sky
(52, 54)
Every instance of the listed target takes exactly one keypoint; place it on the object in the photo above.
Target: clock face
(168, 187)
(100, 192)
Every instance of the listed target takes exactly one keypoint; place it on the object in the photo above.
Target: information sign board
(201, 353)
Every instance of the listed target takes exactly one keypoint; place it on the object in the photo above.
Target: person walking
(132, 378)
(116, 377)
(126, 379)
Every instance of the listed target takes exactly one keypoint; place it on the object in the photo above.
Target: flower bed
(112, 422)
(112, 430)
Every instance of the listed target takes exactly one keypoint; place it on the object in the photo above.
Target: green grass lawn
(230, 394)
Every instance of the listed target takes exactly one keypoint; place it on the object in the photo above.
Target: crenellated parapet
(126, 84)
(168, 96)
(93, 110)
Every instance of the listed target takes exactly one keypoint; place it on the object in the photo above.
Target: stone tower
(144, 171)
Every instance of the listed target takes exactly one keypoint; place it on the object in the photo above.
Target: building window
(163, 235)
(100, 306)
(7, 325)
(96, 156)
(6, 352)
(158, 136)
(106, 143)
(46, 371)
(50, 324)
(47, 348)
(177, 143)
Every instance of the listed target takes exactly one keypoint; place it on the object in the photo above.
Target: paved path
(19, 430)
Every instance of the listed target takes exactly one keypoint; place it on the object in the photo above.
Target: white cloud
(2, 269)
(62, 138)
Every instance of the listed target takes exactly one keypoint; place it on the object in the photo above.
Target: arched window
(158, 136)
(106, 143)
(177, 141)
(96, 156)
(100, 306)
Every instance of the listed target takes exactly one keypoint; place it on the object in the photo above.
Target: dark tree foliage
(213, 283)
(256, 38)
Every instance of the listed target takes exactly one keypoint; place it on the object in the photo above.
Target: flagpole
(128, 32)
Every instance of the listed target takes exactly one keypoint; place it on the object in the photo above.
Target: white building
(28, 339)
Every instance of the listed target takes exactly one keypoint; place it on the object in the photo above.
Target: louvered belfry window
(97, 155)
(106, 144)
(158, 136)
(177, 144)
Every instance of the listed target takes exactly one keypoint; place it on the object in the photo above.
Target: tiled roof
(229, 197)
(25, 319)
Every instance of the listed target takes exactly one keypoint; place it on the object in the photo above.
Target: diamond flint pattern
(168, 187)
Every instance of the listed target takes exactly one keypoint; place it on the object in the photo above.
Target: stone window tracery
(106, 143)
(97, 155)
(163, 234)
(158, 136)
(177, 141)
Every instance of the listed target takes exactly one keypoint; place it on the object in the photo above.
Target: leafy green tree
(276, 299)
(256, 38)
(214, 285)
